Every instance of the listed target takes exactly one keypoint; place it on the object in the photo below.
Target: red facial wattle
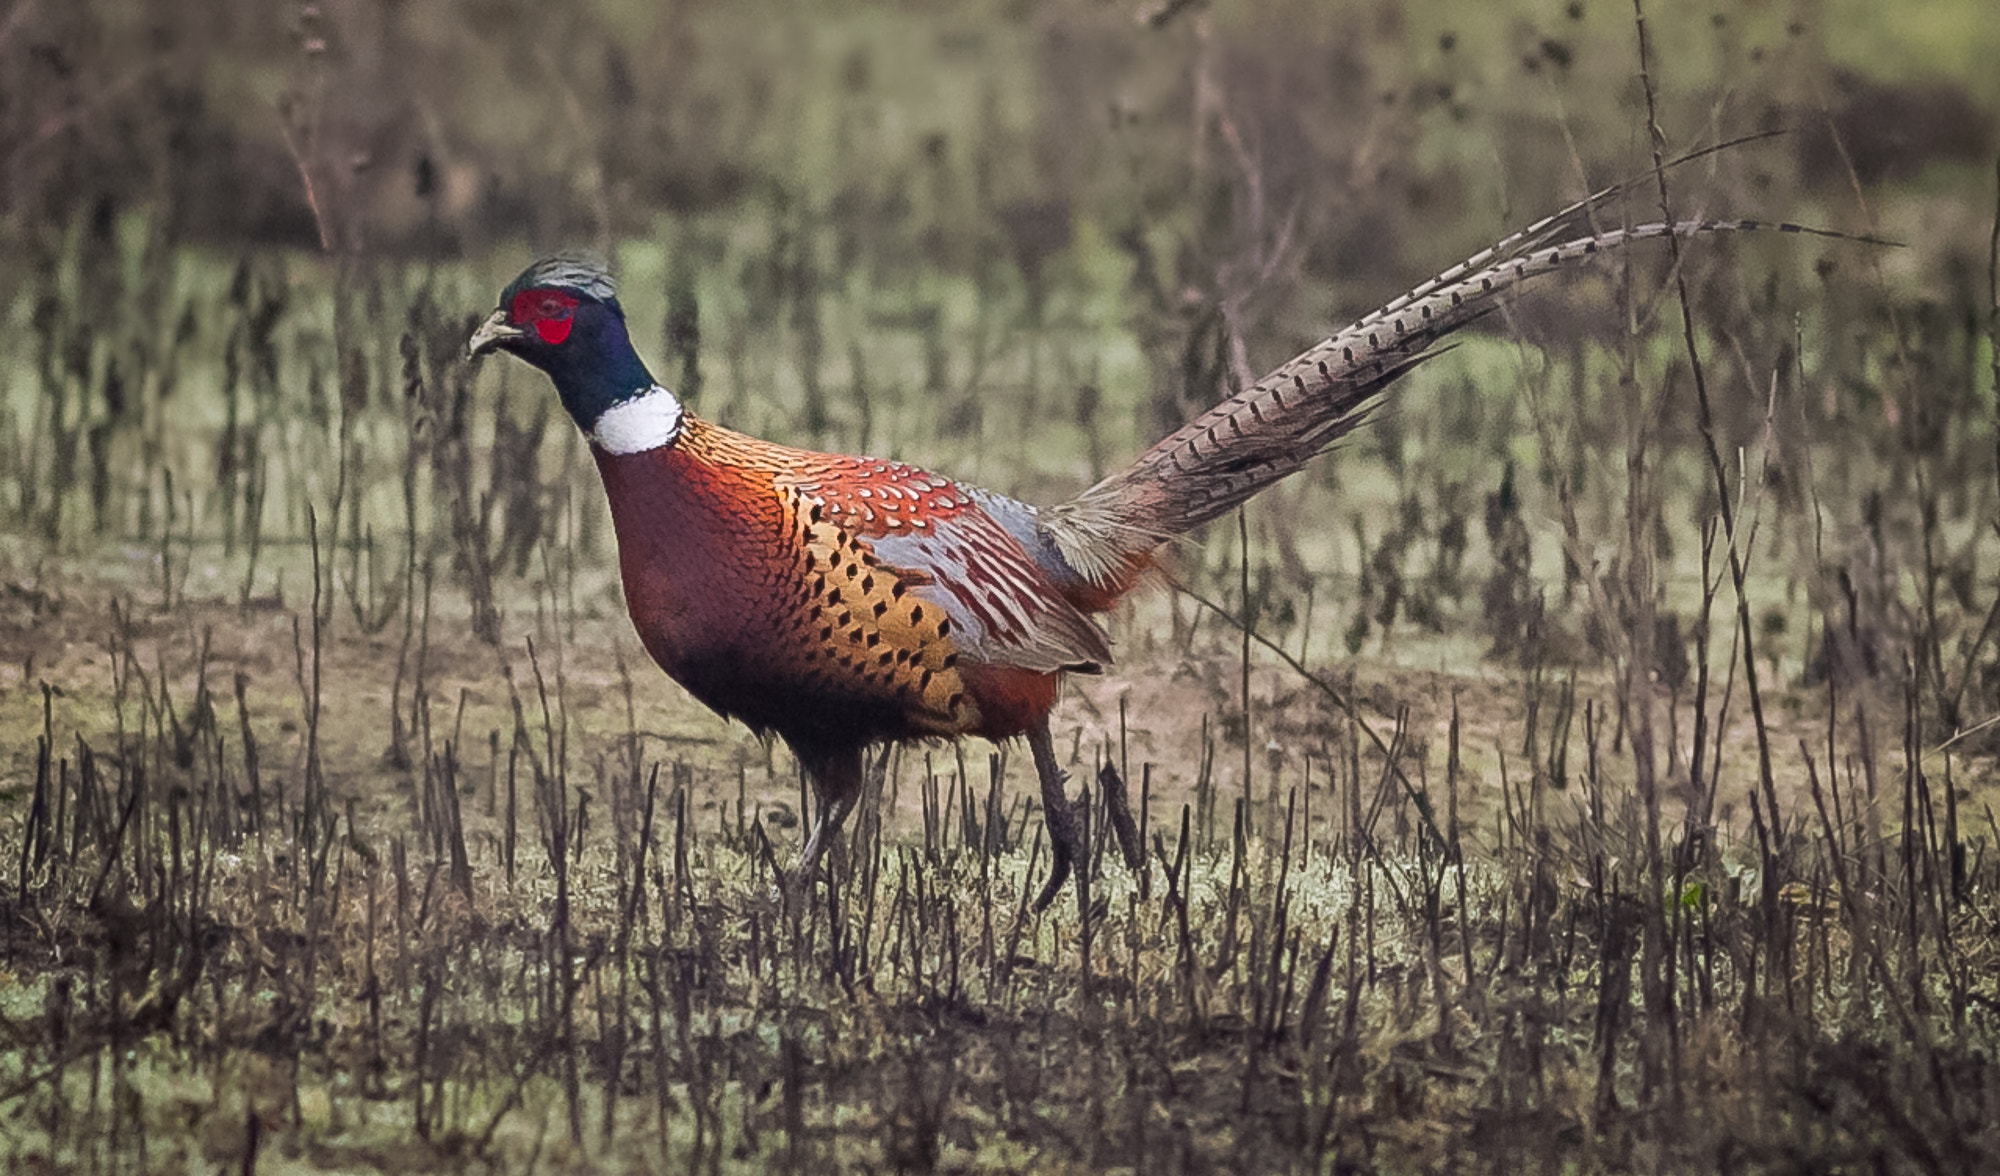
(550, 312)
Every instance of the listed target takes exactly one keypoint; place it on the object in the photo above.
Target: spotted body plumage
(863, 622)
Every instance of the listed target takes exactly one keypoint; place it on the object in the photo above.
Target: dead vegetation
(1591, 768)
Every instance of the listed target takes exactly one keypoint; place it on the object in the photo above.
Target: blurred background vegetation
(242, 244)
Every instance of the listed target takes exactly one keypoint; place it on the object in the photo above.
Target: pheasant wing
(1002, 607)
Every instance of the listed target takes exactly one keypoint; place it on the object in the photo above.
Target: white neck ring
(647, 421)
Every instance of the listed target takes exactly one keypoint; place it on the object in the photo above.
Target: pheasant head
(562, 316)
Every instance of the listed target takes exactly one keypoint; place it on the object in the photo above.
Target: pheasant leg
(825, 829)
(836, 782)
(1066, 835)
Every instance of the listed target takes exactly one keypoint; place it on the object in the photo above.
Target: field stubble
(348, 827)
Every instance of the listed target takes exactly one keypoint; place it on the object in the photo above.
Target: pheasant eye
(550, 312)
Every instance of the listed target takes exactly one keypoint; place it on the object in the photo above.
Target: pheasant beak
(494, 332)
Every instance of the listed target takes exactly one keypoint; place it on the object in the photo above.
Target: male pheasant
(840, 601)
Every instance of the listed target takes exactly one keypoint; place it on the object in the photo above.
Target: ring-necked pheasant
(840, 601)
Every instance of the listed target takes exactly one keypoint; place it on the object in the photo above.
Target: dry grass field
(1590, 766)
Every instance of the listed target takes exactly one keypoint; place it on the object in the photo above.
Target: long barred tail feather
(1109, 533)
